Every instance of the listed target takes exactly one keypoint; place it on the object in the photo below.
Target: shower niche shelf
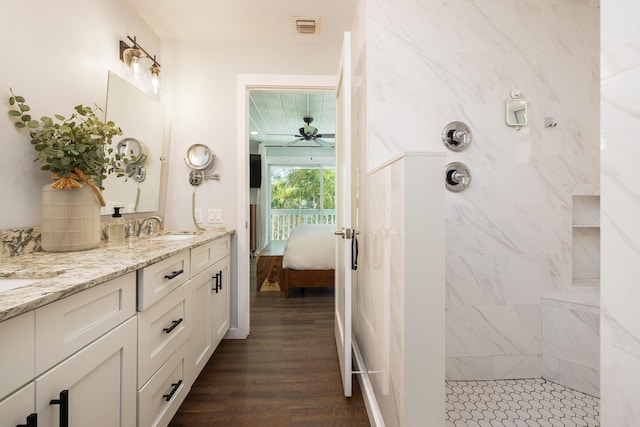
(586, 240)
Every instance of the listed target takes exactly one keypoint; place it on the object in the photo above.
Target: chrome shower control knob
(456, 136)
(457, 176)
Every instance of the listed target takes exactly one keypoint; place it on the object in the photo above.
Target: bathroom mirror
(516, 110)
(141, 119)
(199, 157)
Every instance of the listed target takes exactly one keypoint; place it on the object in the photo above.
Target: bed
(309, 257)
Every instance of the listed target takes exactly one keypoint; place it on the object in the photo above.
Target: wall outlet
(198, 214)
(215, 216)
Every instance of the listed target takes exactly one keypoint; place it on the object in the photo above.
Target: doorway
(246, 84)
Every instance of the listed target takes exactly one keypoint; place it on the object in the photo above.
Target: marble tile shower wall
(620, 112)
(509, 235)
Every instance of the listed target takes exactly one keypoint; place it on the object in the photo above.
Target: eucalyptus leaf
(82, 141)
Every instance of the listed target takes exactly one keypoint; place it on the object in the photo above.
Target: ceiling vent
(306, 25)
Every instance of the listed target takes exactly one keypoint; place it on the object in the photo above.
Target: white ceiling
(246, 20)
(265, 20)
(282, 113)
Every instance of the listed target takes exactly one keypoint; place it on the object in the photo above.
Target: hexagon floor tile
(518, 403)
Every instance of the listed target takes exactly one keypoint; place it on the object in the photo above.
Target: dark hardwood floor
(285, 374)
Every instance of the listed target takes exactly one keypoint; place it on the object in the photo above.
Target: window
(300, 195)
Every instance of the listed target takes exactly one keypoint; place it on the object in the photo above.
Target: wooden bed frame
(306, 279)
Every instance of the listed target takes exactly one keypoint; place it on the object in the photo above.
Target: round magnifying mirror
(130, 148)
(199, 157)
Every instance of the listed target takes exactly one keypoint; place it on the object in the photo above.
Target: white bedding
(310, 247)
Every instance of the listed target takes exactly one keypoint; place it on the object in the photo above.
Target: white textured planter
(70, 219)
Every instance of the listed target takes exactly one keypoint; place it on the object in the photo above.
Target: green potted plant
(76, 150)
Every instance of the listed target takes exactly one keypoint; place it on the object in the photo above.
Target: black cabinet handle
(32, 421)
(174, 323)
(218, 278)
(175, 388)
(64, 407)
(174, 274)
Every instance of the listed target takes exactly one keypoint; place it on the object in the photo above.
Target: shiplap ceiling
(277, 116)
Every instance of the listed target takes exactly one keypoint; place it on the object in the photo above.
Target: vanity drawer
(67, 325)
(160, 398)
(17, 355)
(159, 279)
(162, 329)
(208, 254)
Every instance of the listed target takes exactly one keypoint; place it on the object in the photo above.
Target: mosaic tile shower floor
(518, 403)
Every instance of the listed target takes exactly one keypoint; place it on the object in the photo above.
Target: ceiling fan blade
(327, 135)
(289, 144)
(284, 134)
(324, 143)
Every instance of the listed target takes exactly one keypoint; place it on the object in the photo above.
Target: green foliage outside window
(299, 188)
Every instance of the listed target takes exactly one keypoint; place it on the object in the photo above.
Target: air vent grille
(306, 25)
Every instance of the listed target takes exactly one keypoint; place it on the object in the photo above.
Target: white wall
(57, 55)
(202, 99)
(620, 112)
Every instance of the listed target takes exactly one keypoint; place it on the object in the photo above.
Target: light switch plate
(198, 214)
(215, 216)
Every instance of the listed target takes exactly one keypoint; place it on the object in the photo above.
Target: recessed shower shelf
(586, 240)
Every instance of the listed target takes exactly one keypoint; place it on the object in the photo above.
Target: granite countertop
(62, 274)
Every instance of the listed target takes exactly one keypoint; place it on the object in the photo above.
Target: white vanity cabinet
(165, 322)
(211, 301)
(18, 354)
(83, 360)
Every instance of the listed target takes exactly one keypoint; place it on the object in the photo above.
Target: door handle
(344, 232)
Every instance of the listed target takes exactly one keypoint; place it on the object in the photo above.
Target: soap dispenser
(115, 228)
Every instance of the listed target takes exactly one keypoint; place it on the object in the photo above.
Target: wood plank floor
(285, 374)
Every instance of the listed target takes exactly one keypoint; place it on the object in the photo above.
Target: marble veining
(19, 241)
(66, 273)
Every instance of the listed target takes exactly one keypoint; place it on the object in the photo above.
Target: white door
(344, 223)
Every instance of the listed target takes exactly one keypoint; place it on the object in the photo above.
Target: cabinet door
(17, 356)
(100, 381)
(15, 408)
(200, 342)
(220, 301)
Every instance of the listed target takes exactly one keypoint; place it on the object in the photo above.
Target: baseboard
(235, 334)
(370, 402)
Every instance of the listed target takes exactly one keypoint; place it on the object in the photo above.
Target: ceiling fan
(309, 133)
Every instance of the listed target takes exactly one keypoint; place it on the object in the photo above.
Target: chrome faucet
(151, 227)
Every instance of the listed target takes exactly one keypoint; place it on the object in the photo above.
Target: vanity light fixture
(131, 56)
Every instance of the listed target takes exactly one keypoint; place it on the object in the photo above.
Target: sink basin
(8, 284)
(174, 237)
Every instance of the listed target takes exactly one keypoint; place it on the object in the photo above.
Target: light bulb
(155, 78)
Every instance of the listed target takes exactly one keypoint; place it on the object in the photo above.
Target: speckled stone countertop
(65, 273)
